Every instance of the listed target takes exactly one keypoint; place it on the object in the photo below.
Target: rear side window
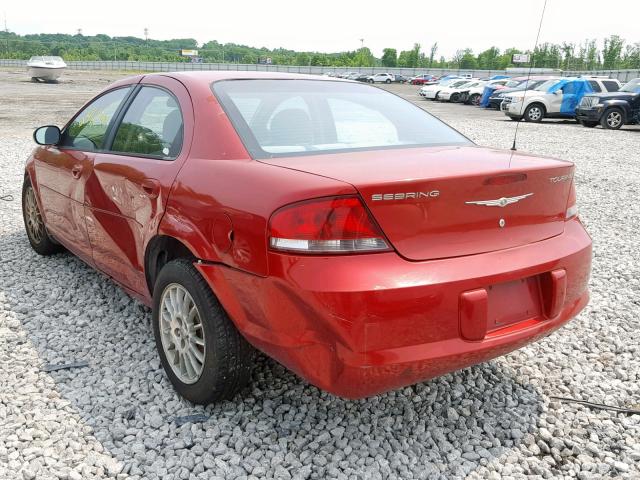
(87, 131)
(277, 118)
(152, 125)
(611, 86)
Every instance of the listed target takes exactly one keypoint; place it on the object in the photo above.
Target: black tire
(454, 98)
(387, 81)
(228, 357)
(534, 113)
(588, 124)
(612, 119)
(370, 80)
(474, 99)
(37, 234)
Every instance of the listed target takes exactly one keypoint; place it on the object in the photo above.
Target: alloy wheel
(182, 333)
(535, 113)
(614, 119)
(34, 220)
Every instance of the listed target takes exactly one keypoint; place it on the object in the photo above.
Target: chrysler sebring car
(345, 232)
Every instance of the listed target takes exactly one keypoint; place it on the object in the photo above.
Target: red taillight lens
(325, 225)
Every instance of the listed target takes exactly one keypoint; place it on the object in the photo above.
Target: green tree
(468, 60)
(489, 59)
(389, 57)
(611, 52)
(432, 53)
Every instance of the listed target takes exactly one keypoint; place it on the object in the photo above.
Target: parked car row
(590, 100)
(370, 78)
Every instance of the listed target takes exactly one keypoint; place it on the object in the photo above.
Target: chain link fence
(622, 75)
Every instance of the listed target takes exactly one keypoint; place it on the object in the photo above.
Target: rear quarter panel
(222, 193)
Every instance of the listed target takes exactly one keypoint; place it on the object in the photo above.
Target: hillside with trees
(613, 53)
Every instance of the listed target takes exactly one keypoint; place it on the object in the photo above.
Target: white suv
(381, 78)
(555, 98)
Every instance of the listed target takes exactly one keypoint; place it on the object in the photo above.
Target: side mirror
(47, 135)
(558, 92)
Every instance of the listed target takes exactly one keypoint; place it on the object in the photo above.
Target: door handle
(76, 171)
(150, 187)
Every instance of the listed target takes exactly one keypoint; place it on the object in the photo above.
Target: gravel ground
(118, 417)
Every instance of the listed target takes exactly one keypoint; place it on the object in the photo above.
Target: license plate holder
(513, 302)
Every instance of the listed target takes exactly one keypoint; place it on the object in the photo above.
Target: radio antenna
(515, 135)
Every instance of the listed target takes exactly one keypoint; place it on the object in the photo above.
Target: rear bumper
(364, 324)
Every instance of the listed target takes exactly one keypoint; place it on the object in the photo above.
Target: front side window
(87, 131)
(545, 86)
(595, 86)
(570, 88)
(277, 118)
(152, 125)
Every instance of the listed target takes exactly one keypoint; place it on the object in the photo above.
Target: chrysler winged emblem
(499, 202)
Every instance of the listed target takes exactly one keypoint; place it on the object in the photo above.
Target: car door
(62, 170)
(127, 191)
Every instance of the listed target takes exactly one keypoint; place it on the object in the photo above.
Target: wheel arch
(160, 250)
(617, 106)
(545, 109)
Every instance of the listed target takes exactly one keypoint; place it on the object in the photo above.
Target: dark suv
(611, 110)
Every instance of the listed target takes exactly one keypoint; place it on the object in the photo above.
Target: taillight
(325, 225)
(572, 205)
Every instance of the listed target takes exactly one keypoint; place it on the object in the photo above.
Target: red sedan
(338, 228)
(423, 80)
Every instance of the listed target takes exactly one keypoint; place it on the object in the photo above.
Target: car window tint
(152, 125)
(87, 131)
(595, 86)
(298, 116)
(611, 86)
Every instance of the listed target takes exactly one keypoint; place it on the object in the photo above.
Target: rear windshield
(278, 118)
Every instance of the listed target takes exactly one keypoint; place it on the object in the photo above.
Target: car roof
(209, 76)
(206, 77)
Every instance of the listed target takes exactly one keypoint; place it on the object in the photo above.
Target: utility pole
(80, 31)
(361, 51)
(6, 30)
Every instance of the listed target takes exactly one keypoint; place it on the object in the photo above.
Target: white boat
(48, 69)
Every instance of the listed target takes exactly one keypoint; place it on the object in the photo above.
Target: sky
(337, 25)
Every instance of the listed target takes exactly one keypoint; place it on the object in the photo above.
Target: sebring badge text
(405, 195)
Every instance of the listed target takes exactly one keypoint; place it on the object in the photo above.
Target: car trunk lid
(440, 202)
